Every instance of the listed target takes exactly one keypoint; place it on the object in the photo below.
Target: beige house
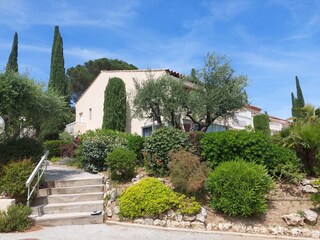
(89, 107)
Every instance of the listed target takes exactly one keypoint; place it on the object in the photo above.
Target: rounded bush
(15, 219)
(239, 188)
(14, 177)
(135, 143)
(152, 197)
(159, 144)
(187, 173)
(121, 163)
(53, 146)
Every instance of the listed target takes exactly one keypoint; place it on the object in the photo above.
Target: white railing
(38, 171)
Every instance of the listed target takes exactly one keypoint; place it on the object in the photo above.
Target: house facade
(89, 107)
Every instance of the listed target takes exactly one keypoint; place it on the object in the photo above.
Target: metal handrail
(42, 165)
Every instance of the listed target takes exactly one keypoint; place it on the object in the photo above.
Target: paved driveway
(126, 232)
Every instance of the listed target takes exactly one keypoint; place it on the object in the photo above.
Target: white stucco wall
(93, 99)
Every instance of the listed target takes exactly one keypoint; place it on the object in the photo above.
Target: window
(146, 131)
(216, 128)
(90, 113)
(81, 117)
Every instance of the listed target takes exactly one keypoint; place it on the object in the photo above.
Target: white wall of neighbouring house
(89, 108)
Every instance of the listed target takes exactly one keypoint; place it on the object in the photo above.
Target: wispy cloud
(228, 9)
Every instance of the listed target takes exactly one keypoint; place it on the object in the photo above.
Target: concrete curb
(258, 236)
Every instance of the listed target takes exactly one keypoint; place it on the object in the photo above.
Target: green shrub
(135, 143)
(95, 146)
(239, 188)
(53, 146)
(20, 149)
(15, 219)
(14, 177)
(187, 173)
(151, 197)
(261, 123)
(66, 137)
(121, 163)
(159, 144)
(252, 147)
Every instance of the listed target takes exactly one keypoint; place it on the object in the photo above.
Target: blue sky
(270, 41)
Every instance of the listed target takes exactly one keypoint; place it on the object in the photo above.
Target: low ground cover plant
(15, 219)
(239, 188)
(187, 173)
(158, 146)
(152, 197)
(121, 163)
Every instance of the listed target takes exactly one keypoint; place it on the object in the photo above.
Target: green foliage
(53, 146)
(219, 93)
(187, 174)
(81, 76)
(151, 197)
(135, 143)
(19, 149)
(12, 64)
(300, 99)
(58, 82)
(95, 147)
(114, 110)
(66, 137)
(239, 188)
(13, 179)
(261, 123)
(15, 219)
(160, 99)
(121, 164)
(298, 102)
(251, 147)
(159, 144)
(26, 106)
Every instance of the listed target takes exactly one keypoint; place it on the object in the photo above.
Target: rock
(305, 182)
(109, 212)
(209, 227)
(249, 229)
(256, 230)
(293, 219)
(185, 224)
(308, 189)
(237, 228)
(315, 234)
(189, 218)
(306, 232)
(310, 217)
(198, 225)
(163, 223)
(113, 194)
(178, 217)
(175, 224)
(163, 216)
(296, 232)
(116, 210)
(201, 217)
(139, 221)
(171, 214)
(157, 222)
(224, 226)
(263, 230)
(107, 187)
(276, 230)
(148, 221)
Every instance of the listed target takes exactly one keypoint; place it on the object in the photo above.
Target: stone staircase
(68, 202)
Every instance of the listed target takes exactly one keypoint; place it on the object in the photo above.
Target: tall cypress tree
(300, 99)
(58, 80)
(294, 105)
(12, 64)
(114, 110)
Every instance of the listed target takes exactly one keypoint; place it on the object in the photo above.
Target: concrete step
(55, 208)
(75, 182)
(70, 190)
(67, 219)
(78, 197)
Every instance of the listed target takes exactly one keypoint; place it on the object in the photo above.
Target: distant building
(89, 107)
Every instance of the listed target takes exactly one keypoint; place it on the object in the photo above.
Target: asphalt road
(126, 232)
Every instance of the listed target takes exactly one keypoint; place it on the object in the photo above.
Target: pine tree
(114, 116)
(58, 81)
(300, 99)
(12, 64)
